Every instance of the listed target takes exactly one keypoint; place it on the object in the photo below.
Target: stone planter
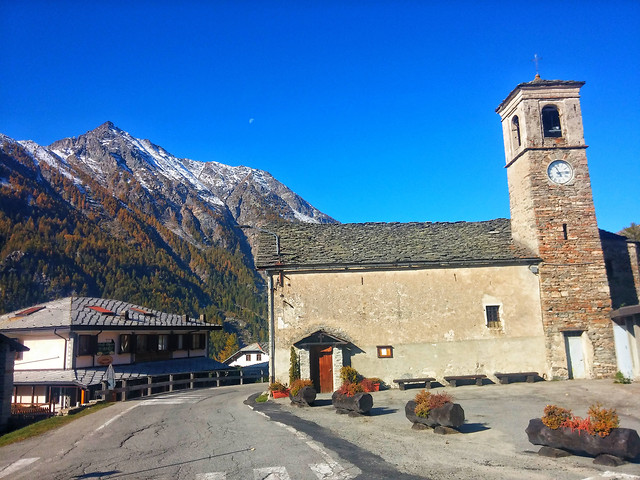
(359, 404)
(621, 442)
(305, 397)
(448, 415)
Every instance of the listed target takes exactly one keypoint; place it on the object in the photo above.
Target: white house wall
(433, 318)
(243, 362)
(44, 353)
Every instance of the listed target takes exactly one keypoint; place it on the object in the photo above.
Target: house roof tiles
(380, 244)
(82, 313)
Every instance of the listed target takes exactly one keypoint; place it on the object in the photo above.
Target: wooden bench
(453, 380)
(506, 377)
(403, 381)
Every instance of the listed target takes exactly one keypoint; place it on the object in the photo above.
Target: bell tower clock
(552, 214)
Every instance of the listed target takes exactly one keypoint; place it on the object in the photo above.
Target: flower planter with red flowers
(279, 394)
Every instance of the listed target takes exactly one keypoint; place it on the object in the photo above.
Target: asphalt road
(222, 434)
(493, 444)
(206, 434)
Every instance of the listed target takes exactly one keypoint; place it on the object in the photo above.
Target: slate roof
(390, 244)
(538, 82)
(76, 313)
(93, 376)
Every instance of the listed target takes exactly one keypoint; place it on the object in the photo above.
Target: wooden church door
(322, 368)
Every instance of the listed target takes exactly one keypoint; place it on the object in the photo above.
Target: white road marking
(271, 473)
(15, 466)
(211, 476)
(615, 476)
(178, 399)
(108, 422)
(332, 470)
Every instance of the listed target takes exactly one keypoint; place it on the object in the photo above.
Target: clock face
(560, 172)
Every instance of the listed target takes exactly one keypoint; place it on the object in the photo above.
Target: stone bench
(426, 381)
(505, 378)
(454, 379)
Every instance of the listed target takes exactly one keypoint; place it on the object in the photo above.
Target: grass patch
(262, 398)
(48, 424)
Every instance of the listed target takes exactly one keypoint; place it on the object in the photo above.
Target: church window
(385, 351)
(515, 129)
(565, 231)
(493, 316)
(551, 122)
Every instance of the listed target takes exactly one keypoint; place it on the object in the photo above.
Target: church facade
(545, 291)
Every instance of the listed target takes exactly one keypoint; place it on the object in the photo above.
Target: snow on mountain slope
(201, 202)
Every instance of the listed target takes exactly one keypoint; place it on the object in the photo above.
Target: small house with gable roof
(249, 356)
(71, 342)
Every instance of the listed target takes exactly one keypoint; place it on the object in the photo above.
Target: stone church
(545, 291)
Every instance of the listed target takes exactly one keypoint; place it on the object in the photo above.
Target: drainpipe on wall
(64, 360)
(272, 339)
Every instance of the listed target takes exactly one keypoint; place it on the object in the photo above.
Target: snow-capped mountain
(191, 198)
(107, 214)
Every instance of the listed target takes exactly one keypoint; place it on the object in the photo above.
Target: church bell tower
(552, 214)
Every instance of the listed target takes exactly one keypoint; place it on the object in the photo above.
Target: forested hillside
(60, 236)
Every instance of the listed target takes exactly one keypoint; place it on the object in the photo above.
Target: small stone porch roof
(320, 337)
(390, 245)
(87, 313)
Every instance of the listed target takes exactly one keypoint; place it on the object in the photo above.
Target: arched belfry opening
(515, 131)
(551, 122)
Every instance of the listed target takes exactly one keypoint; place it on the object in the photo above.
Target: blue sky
(370, 110)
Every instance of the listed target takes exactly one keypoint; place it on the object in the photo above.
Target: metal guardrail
(195, 380)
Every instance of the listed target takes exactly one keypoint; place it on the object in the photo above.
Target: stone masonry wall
(573, 282)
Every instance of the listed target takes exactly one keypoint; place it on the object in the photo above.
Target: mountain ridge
(110, 215)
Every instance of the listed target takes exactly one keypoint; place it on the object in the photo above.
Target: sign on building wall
(106, 348)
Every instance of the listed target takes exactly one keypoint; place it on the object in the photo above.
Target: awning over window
(320, 338)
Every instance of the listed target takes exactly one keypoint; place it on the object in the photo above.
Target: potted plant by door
(278, 390)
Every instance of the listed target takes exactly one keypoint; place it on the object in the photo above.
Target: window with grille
(493, 316)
